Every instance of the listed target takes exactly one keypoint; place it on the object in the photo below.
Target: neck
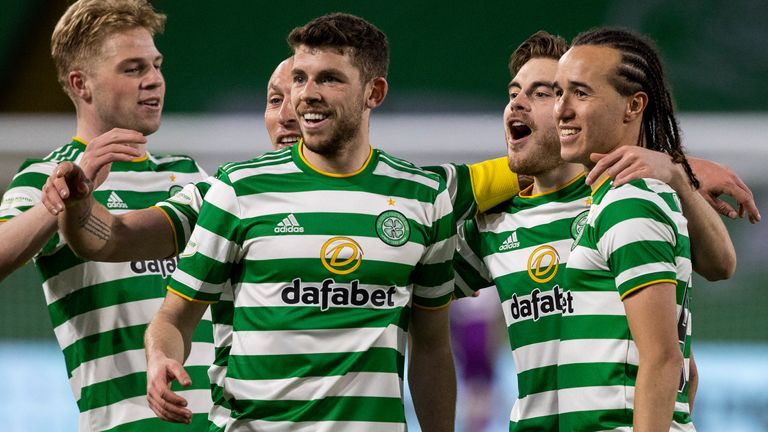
(86, 132)
(348, 160)
(556, 178)
(600, 180)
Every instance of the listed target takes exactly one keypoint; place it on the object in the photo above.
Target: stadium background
(447, 90)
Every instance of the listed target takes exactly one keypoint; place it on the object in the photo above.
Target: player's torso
(598, 358)
(322, 296)
(100, 310)
(526, 248)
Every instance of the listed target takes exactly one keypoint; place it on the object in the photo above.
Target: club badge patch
(393, 228)
(577, 227)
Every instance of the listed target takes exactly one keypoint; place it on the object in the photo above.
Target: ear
(376, 91)
(78, 83)
(635, 106)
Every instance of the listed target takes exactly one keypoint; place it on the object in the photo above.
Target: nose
(562, 109)
(309, 92)
(520, 102)
(153, 79)
(286, 115)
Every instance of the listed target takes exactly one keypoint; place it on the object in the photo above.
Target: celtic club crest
(393, 228)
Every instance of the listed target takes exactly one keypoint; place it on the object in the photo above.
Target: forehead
(311, 58)
(281, 77)
(588, 63)
(129, 43)
(536, 70)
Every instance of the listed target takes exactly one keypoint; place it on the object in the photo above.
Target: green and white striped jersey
(635, 236)
(470, 187)
(99, 310)
(325, 269)
(522, 247)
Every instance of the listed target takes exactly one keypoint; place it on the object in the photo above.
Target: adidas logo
(114, 202)
(510, 243)
(289, 224)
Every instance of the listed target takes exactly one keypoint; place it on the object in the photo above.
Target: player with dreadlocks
(624, 352)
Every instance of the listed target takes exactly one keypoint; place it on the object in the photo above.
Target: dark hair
(641, 70)
(366, 44)
(539, 45)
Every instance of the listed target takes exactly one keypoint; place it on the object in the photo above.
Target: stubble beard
(545, 158)
(346, 130)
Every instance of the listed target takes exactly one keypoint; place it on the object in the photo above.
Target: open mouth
(519, 130)
(288, 140)
(151, 102)
(314, 118)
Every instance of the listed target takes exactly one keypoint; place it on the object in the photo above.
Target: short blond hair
(78, 36)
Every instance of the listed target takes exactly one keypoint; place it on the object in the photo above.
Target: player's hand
(166, 404)
(628, 163)
(716, 180)
(113, 146)
(65, 185)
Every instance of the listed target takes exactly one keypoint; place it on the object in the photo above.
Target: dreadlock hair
(641, 70)
(538, 45)
(366, 44)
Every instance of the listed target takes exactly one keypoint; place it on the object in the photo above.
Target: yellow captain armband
(492, 183)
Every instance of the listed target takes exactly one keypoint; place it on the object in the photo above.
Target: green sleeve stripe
(432, 303)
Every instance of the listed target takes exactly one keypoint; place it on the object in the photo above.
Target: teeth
(289, 139)
(568, 132)
(314, 116)
(518, 123)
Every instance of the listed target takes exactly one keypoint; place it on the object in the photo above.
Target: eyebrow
(535, 84)
(140, 59)
(573, 84)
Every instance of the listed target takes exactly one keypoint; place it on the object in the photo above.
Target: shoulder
(641, 193)
(276, 162)
(400, 169)
(647, 199)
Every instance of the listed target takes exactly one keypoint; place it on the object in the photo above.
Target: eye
(298, 79)
(329, 79)
(541, 94)
(580, 93)
(513, 94)
(275, 100)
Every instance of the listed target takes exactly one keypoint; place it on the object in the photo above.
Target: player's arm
(203, 270)
(693, 381)
(92, 232)
(716, 180)
(432, 377)
(712, 252)
(168, 341)
(651, 313)
(471, 272)
(23, 236)
(475, 188)
(431, 373)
